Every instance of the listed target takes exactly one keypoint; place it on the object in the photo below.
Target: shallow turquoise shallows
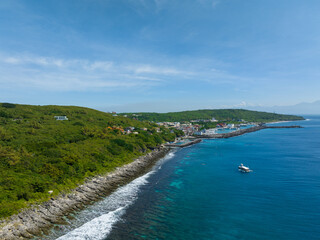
(200, 194)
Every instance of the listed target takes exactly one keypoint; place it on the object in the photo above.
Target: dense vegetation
(219, 114)
(39, 153)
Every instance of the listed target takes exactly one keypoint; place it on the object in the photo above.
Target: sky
(159, 55)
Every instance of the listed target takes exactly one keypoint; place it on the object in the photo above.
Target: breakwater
(294, 126)
(184, 144)
(37, 220)
(244, 131)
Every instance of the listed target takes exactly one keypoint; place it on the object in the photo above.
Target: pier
(184, 144)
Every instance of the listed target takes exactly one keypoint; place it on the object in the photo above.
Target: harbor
(191, 140)
(244, 131)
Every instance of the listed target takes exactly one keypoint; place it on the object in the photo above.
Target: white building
(61, 118)
(210, 131)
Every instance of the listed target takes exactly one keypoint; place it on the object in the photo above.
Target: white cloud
(11, 60)
(57, 74)
(100, 65)
(41, 61)
(241, 104)
(154, 70)
(59, 63)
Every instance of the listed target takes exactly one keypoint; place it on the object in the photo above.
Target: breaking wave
(96, 221)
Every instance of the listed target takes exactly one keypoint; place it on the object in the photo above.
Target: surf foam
(94, 225)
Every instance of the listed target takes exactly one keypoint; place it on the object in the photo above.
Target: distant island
(49, 150)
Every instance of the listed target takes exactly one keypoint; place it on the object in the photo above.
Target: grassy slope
(219, 114)
(39, 153)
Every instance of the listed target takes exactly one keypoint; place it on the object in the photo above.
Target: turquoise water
(200, 194)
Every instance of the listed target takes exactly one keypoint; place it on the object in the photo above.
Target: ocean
(198, 193)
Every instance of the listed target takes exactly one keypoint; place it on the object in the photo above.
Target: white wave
(98, 228)
(113, 208)
(167, 157)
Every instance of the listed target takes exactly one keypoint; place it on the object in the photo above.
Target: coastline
(35, 221)
(214, 163)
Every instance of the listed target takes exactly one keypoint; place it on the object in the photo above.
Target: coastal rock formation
(36, 220)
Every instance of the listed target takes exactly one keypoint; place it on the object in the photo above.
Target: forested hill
(219, 114)
(39, 153)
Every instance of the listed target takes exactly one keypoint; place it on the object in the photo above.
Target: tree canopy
(39, 153)
(219, 114)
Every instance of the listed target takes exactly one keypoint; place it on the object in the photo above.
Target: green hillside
(39, 153)
(219, 114)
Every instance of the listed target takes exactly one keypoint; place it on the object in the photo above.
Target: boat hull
(244, 169)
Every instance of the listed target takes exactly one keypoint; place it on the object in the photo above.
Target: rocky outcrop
(37, 219)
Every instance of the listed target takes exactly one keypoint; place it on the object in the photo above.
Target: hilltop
(218, 114)
(41, 156)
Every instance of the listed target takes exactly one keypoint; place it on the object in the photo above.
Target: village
(197, 127)
(200, 126)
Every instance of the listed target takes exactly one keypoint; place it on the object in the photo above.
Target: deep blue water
(198, 193)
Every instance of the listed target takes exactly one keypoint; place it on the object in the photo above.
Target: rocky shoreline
(37, 220)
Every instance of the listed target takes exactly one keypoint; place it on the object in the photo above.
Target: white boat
(243, 168)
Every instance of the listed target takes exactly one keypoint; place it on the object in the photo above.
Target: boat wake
(97, 220)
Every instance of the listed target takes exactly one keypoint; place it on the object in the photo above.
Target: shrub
(8, 105)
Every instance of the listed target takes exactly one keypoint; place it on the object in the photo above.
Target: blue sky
(159, 55)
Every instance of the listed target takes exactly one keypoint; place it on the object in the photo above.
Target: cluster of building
(205, 120)
(127, 130)
(194, 127)
(187, 128)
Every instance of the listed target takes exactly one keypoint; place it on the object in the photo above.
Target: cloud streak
(77, 74)
(57, 74)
